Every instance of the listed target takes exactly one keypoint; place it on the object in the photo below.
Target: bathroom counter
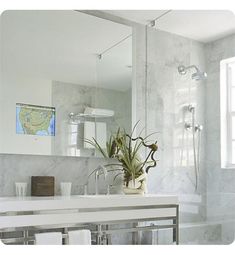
(49, 212)
(15, 204)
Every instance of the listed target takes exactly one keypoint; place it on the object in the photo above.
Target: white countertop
(47, 211)
(28, 203)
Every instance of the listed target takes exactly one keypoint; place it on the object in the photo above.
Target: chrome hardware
(198, 128)
(97, 172)
(188, 126)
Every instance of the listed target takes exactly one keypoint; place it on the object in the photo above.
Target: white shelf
(85, 115)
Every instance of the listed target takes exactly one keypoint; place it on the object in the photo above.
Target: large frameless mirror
(66, 77)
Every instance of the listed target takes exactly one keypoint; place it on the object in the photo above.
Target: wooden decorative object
(42, 185)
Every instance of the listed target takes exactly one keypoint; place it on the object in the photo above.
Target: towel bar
(102, 234)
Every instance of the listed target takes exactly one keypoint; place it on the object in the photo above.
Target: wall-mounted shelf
(82, 117)
(86, 115)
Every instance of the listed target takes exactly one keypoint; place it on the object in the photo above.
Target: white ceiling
(201, 25)
(63, 46)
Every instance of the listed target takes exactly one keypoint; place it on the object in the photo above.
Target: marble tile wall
(218, 180)
(20, 168)
(67, 98)
(168, 95)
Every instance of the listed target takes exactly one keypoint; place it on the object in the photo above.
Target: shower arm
(192, 66)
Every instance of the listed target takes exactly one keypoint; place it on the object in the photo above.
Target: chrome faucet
(98, 171)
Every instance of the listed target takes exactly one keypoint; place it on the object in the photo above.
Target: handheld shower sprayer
(195, 129)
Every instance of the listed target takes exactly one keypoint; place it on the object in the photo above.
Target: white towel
(101, 134)
(89, 133)
(97, 130)
(99, 112)
(81, 237)
(53, 238)
(165, 236)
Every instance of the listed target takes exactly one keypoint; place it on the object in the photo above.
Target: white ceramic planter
(139, 186)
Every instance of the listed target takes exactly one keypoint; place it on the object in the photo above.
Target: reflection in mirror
(65, 77)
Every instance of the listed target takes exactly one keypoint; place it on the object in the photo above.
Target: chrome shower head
(198, 75)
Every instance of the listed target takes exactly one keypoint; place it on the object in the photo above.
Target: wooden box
(42, 185)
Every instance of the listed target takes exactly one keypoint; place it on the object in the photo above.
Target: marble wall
(67, 98)
(20, 168)
(168, 96)
(220, 182)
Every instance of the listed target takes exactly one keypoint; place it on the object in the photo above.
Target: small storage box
(42, 185)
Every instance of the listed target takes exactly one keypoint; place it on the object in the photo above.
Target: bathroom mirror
(65, 77)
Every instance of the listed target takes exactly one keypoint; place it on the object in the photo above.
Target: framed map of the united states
(35, 120)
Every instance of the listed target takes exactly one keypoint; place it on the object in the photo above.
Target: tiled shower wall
(167, 99)
(220, 182)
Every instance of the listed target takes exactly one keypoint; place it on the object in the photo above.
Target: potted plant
(126, 149)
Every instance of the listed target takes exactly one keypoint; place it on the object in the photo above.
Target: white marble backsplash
(20, 168)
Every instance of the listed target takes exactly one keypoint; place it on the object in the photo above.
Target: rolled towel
(80, 237)
(52, 238)
(99, 112)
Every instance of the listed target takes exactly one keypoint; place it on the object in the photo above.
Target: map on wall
(35, 120)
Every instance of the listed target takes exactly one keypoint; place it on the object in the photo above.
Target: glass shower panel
(168, 97)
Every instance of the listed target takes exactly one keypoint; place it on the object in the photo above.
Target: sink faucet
(98, 171)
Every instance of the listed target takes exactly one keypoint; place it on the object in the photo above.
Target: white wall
(17, 89)
(18, 85)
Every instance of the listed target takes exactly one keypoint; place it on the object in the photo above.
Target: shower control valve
(198, 128)
(188, 126)
(191, 108)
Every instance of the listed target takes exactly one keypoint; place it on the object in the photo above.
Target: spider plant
(126, 149)
(129, 156)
